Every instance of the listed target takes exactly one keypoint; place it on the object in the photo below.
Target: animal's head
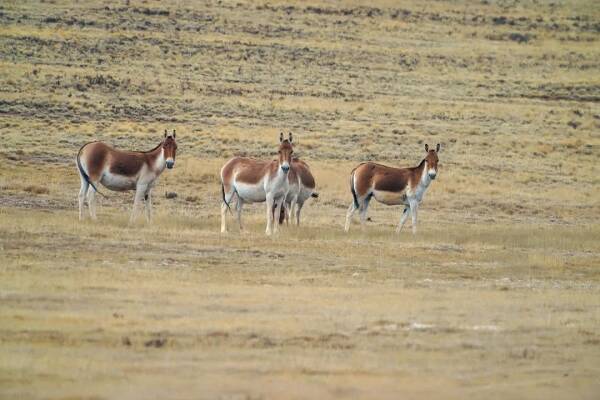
(170, 148)
(432, 160)
(285, 152)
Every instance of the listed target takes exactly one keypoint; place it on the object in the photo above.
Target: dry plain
(497, 296)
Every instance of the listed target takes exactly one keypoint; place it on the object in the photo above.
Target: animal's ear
(174, 134)
(165, 133)
(280, 137)
(290, 137)
(437, 148)
(426, 148)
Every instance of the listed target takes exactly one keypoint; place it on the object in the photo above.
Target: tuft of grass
(36, 189)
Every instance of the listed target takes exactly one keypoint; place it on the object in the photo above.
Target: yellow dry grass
(495, 297)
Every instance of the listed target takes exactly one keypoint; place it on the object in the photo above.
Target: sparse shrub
(499, 20)
(36, 189)
(101, 80)
(519, 37)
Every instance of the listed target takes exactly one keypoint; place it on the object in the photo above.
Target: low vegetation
(495, 297)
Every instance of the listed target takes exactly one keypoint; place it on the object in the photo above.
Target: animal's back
(303, 170)
(380, 177)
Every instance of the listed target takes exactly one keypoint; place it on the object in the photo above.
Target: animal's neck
(158, 155)
(425, 179)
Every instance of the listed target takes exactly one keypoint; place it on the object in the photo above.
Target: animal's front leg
(270, 202)
(403, 219)
(148, 205)
(140, 191)
(414, 209)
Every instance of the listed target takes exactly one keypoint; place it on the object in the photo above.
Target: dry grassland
(497, 296)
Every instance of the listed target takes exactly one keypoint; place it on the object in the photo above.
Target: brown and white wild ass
(392, 186)
(120, 170)
(302, 187)
(255, 181)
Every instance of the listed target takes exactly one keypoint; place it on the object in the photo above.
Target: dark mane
(418, 167)
(150, 151)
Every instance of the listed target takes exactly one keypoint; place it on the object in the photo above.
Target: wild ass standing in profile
(120, 170)
(255, 181)
(392, 186)
(302, 187)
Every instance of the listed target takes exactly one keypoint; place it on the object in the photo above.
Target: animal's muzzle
(285, 168)
(170, 164)
(432, 175)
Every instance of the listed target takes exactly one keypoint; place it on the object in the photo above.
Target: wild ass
(255, 181)
(392, 186)
(302, 187)
(120, 170)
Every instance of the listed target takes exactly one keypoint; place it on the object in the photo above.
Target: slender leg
(238, 208)
(82, 193)
(92, 203)
(285, 209)
(414, 208)
(223, 218)
(270, 202)
(363, 210)
(276, 212)
(298, 209)
(403, 219)
(351, 210)
(148, 205)
(293, 204)
(228, 197)
(283, 215)
(140, 192)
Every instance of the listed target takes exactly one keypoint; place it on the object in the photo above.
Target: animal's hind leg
(82, 193)
(284, 214)
(278, 204)
(229, 194)
(290, 207)
(351, 210)
(403, 219)
(298, 209)
(363, 209)
(91, 195)
(238, 209)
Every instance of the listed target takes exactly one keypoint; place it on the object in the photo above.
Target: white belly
(389, 198)
(251, 193)
(118, 182)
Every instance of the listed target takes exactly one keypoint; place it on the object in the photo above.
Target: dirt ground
(497, 296)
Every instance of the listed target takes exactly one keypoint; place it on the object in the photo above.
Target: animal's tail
(83, 173)
(354, 197)
(315, 195)
(224, 200)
